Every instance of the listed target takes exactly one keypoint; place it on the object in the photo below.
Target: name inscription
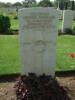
(38, 21)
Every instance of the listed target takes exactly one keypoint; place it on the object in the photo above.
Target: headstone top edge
(67, 10)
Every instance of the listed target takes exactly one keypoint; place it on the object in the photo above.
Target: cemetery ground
(10, 64)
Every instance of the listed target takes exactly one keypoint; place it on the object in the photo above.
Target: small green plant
(15, 15)
(4, 24)
(61, 17)
(68, 31)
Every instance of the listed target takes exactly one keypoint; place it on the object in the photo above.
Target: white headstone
(67, 19)
(38, 40)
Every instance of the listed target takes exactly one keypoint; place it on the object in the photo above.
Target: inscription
(43, 42)
(38, 21)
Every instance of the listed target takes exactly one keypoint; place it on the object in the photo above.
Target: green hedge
(4, 24)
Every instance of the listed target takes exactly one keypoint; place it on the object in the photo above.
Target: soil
(7, 92)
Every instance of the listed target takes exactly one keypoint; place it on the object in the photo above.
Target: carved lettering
(38, 21)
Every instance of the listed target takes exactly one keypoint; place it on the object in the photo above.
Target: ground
(7, 91)
(69, 85)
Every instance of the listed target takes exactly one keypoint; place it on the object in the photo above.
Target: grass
(66, 46)
(14, 24)
(60, 24)
(10, 55)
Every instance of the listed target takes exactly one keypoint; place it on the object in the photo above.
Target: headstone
(60, 12)
(67, 19)
(74, 15)
(38, 40)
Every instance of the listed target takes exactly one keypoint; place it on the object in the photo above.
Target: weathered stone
(38, 40)
(67, 19)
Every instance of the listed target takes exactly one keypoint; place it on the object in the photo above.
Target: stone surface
(38, 40)
(60, 12)
(67, 19)
(74, 15)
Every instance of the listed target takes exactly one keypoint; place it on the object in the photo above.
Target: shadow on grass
(65, 73)
(9, 78)
(13, 77)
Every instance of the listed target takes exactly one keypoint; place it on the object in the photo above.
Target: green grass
(60, 24)
(10, 54)
(73, 24)
(66, 46)
(14, 24)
